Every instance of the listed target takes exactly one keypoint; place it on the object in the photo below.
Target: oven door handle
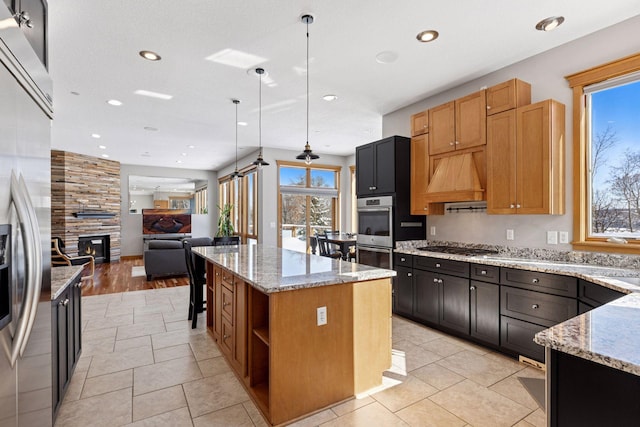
(374, 209)
(369, 248)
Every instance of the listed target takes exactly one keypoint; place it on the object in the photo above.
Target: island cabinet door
(427, 301)
(239, 360)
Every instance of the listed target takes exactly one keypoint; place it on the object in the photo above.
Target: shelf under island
(265, 310)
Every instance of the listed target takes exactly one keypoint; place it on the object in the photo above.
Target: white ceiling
(94, 45)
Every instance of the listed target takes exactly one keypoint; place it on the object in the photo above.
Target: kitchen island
(302, 332)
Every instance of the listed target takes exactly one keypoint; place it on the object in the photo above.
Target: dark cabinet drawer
(536, 307)
(517, 335)
(403, 260)
(541, 282)
(596, 295)
(445, 266)
(485, 273)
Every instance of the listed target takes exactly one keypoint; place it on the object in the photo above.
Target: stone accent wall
(78, 183)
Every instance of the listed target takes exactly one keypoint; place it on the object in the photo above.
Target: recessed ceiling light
(191, 146)
(106, 156)
(330, 97)
(114, 102)
(151, 56)
(178, 161)
(235, 58)
(150, 128)
(95, 135)
(102, 147)
(386, 57)
(145, 154)
(242, 123)
(151, 94)
(184, 154)
(427, 36)
(550, 23)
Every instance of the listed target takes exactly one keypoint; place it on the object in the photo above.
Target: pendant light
(236, 174)
(307, 155)
(259, 162)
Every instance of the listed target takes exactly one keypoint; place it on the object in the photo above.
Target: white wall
(131, 231)
(546, 73)
(268, 188)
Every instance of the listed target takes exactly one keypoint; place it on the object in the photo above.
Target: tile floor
(142, 365)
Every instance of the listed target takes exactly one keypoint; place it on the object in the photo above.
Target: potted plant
(225, 234)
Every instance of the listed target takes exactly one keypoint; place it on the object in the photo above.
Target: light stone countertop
(608, 335)
(270, 269)
(61, 277)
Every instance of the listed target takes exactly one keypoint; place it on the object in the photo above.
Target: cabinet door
(501, 163)
(540, 150)
(508, 96)
(403, 291)
(427, 296)
(240, 327)
(517, 336)
(385, 174)
(420, 123)
(485, 311)
(364, 170)
(419, 174)
(62, 344)
(454, 310)
(76, 322)
(442, 128)
(471, 123)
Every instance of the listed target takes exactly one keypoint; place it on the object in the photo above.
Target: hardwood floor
(116, 277)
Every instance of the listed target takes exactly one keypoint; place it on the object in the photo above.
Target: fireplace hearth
(97, 246)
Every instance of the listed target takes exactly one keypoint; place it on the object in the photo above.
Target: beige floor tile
(143, 341)
(469, 346)
(176, 315)
(140, 329)
(107, 383)
(513, 389)
(120, 361)
(523, 423)
(256, 416)
(75, 385)
(204, 347)
(170, 339)
(106, 410)
(415, 334)
(158, 402)
(154, 308)
(315, 419)
(148, 318)
(407, 356)
(110, 322)
(233, 416)
(165, 374)
(178, 418)
(538, 418)
(117, 309)
(84, 362)
(99, 334)
(214, 393)
(352, 405)
(410, 391)
(92, 313)
(443, 347)
(480, 406)
(425, 413)
(177, 325)
(368, 416)
(175, 352)
(93, 347)
(213, 366)
(483, 370)
(437, 376)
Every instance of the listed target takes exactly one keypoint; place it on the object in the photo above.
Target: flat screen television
(166, 221)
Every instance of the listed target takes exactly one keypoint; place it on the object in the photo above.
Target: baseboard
(130, 257)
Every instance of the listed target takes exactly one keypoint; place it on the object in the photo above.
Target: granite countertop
(620, 279)
(61, 277)
(609, 335)
(272, 269)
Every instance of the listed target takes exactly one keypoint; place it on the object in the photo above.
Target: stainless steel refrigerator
(25, 230)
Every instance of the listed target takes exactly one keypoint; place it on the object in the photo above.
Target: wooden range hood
(455, 179)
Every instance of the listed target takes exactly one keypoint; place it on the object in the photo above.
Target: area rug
(138, 271)
(535, 387)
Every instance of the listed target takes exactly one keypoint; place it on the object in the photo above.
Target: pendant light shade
(236, 174)
(307, 155)
(259, 162)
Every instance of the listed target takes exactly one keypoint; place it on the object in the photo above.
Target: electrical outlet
(321, 313)
(510, 234)
(564, 237)
(432, 230)
(552, 237)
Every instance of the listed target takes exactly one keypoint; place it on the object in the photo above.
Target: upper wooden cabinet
(420, 178)
(458, 124)
(420, 123)
(525, 160)
(507, 96)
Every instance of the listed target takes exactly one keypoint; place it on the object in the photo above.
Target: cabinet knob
(535, 306)
(224, 304)
(518, 206)
(24, 19)
(488, 107)
(451, 143)
(483, 272)
(457, 142)
(439, 280)
(472, 288)
(435, 280)
(224, 337)
(425, 208)
(64, 303)
(437, 265)
(511, 206)
(403, 259)
(409, 274)
(535, 280)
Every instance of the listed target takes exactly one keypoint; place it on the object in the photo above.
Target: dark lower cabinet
(485, 311)
(442, 300)
(403, 291)
(427, 296)
(66, 324)
(517, 337)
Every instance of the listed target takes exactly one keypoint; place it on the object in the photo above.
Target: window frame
(581, 161)
(237, 194)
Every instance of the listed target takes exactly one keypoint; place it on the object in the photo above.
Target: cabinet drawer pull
(535, 280)
(483, 272)
(535, 306)
(224, 304)
(435, 280)
(64, 303)
(439, 280)
(473, 288)
(409, 274)
(403, 259)
(224, 338)
(437, 265)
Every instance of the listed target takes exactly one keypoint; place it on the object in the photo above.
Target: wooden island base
(289, 364)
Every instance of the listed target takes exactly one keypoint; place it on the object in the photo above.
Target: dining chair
(197, 277)
(60, 257)
(323, 247)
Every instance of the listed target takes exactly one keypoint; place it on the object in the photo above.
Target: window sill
(602, 246)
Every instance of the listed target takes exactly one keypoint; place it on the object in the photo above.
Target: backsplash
(574, 257)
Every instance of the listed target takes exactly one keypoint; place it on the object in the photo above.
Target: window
(242, 194)
(308, 203)
(201, 201)
(606, 169)
(354, 200)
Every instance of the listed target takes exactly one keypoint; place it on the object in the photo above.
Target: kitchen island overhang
(302, 332)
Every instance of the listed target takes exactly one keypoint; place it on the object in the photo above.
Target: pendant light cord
(236, 102)
(260, 113)
(307, 82)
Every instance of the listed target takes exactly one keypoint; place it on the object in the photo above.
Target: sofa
(164, 257)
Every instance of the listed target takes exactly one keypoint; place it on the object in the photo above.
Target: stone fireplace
(97, 246)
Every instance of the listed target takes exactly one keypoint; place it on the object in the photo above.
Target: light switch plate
(510, 234)
(552, 237)
(432, 230)
(321, 315)
(564, 237)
